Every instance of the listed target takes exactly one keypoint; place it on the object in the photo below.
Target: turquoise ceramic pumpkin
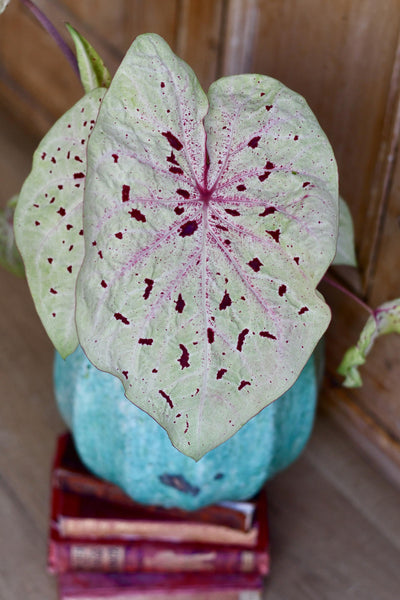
(122, 444)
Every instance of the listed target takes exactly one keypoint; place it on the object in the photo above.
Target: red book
(119, 555)
(78, 516)
(144, 586)
(70, 474)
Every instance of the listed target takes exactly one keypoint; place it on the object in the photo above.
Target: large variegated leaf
(208, 224)
(48, 220)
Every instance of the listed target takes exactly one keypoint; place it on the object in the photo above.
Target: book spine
(67, 556)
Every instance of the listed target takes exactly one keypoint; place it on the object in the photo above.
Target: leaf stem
(49, 27)
(348, 293)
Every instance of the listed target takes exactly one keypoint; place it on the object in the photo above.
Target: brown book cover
(71, 475)
(151, 586)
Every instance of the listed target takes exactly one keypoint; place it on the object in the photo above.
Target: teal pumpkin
(120, 443)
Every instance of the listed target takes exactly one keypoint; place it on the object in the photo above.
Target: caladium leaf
(208, 223)
(48, 220)
(10, 258)
(385, 319)
(92, 70)
(345, 251)
(3, 5)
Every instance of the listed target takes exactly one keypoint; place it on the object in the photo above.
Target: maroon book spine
(71, 555)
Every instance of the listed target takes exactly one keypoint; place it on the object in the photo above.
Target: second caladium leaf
(48, 220)
(209, 221)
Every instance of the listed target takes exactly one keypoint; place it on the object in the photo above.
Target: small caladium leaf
(345, 251)
(48, 220)
(3, 5)
(92, 70)
(209, 221)
(385, 319)
(10, 257)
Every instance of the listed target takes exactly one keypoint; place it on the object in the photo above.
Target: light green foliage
(92, 70)
(10, 258)
(209, 221)
(48, 220)
(345, 252)
(385, 319)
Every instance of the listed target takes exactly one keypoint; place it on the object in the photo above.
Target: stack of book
(102, 544)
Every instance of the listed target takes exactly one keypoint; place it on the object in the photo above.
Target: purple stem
(49, 27)
(348, 293)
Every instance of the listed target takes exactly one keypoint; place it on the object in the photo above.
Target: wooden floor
(335, 520)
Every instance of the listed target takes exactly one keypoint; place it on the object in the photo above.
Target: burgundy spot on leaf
(183, 360)
(167, 398)
(81, 232)
(37, 223)
(255, 264)
(53, 291)
(241, 338)
(264, 176)
(227, 242)
(53, 160)
(222, 227)
(36, 205)
(172, 159)
(125, 374)
(225, 302)
(68, 155)
(60, 187)
(43, 155)
(79, 175)
(296, 137)
(121, 318)
(100, 254)
(154, 371)
(221, 373)
(296, 259)
(241, 188)
(179, 210)
(70, 248)
(282, 289)
(306, 183)
(303, 310)
(268, 335)
(119, 235)
(242, 384)
(210, 335)
(270, 210)
(94, 243)
(173, 141)
(78, 159)
(149, 286)
(254, 142)
(269, 106)
(136, 214)
(184, 193)
(115, 157)
(145, 341)
(50, 260)
(274, 234)
(188, 228)
(103, 284)
(125, 193)
(269, 165)
(52, 200)
(179, 304)
(232, 212)
(69, 226)
(53, 314)
(69, 269)
(61, 211)
(176, 170)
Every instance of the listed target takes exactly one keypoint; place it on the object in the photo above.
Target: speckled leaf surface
(208, 222)
(48, 220)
